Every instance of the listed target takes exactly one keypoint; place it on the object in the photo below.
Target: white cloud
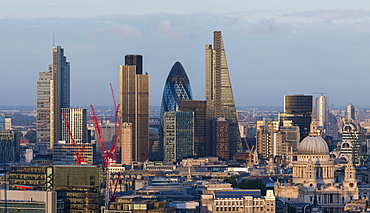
(269, 27)
(165, 28)
(118, 30)
(124, 30)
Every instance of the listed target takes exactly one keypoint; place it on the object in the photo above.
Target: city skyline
(319, 46)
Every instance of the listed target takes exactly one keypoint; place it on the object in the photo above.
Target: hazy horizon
(273, 48)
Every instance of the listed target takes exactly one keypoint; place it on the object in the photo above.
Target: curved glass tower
(176, 88)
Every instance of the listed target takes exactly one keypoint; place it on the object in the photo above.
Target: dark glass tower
(176, 88)
(59, 93)
(298, 108)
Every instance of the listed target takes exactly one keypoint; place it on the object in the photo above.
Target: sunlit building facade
(219, 94)
(134, 105)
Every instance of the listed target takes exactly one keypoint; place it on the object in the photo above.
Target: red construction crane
(105, 156)
(79, 158)
(113, 196)
(116, 124)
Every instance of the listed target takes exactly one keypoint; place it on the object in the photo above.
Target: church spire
(313, 125)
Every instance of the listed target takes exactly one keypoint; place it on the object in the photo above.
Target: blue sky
(273, 47)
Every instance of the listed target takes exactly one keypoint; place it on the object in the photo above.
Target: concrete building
(265, 141)
(351, 112)
(134, 104)
(313, 175)
(222, 198)
(77, 120)
(8, 124)
(65, 153)
(286, 141)
(59, 93)
(78, 186)
(43, 109)
(31, 201)
(219, 95)
(126, 143)
(322, 111)
(350, 146)
(136, 204)
(178, 135)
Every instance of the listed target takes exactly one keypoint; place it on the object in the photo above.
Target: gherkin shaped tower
(176, 88)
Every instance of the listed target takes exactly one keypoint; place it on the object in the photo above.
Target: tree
(231, 180)
(252, 184)
(31, 136)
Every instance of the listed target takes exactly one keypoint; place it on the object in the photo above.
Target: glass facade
(176, 88)
(298, 108)
(219, 94)
(178, 135)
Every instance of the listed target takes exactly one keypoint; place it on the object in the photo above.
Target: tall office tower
(9, 146)
(219, 95)
(134, 104)
(200, 124)
(264, 138)
(322, 111)
(59, 93)
(298, 108)
(178, 135)
(351, 112)
(77, 119)
(43, 109)
(176, 88)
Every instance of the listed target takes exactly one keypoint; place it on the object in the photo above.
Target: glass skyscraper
(176, 88)
(59, 93)
(219, 95)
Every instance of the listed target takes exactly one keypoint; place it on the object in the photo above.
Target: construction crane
(108, 155)
(104, 155)
(113, 196)
(116, 124)
(79, 155)
(250, 154)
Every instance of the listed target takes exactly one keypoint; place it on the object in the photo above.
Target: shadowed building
(219, 95)
(134, 104)
(200, 124)
(298, 108)
(59, 93)
(178, 135)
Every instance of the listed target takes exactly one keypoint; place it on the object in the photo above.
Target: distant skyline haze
(273, 48)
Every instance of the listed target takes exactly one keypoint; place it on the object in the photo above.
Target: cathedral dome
(313, 145)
